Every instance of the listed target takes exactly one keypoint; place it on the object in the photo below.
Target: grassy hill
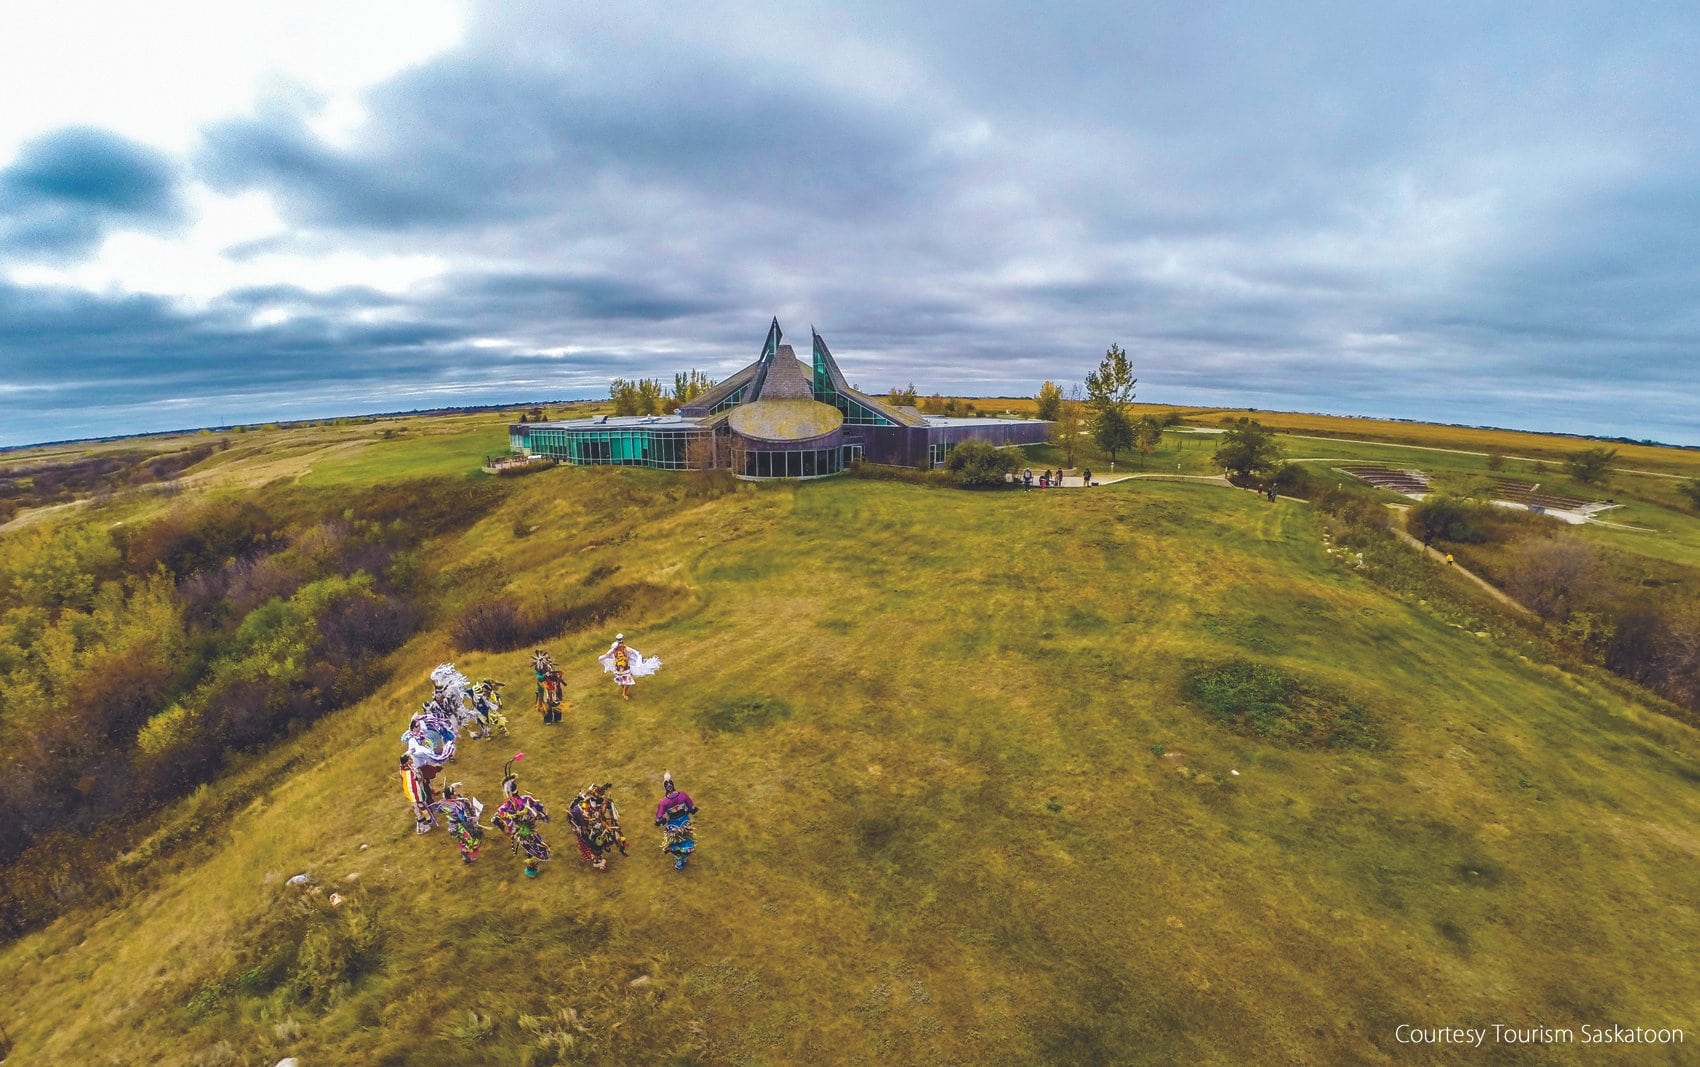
(970, 793)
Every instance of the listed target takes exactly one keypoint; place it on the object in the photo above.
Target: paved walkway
(1076, 481)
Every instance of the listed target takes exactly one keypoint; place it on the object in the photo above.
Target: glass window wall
(793, 463)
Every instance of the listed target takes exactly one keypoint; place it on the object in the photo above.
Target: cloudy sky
(1486, 214)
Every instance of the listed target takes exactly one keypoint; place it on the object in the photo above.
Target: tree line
(647, 396)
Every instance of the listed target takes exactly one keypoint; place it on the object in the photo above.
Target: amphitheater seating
(1408, 482)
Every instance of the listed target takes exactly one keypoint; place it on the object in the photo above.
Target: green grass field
(959, 805)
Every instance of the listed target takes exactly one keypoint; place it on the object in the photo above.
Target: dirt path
(1492, 590)
(30, 516)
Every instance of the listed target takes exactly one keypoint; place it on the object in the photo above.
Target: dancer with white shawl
(626, 664)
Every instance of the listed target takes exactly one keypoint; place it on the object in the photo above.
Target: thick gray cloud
(1451, 213)
(65, 190)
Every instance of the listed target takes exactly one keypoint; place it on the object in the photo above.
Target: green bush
(1264, 701)
(979, 464)
(1591, 465)
(1446, 518)
(882, 472)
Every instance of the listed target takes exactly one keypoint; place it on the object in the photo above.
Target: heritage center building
(776, 418)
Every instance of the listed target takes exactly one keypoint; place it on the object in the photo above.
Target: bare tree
(1556, 576)
(1070, 421)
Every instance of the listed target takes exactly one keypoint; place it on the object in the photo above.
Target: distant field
(1507, 442)
(961, 801)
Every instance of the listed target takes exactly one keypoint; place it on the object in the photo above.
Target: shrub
(489, 626)
(1356, 510)
(1447, 518)
(355, 627)
(1293, 480)
(887, 473)
(500, 625)
(1691, 490)
(979, 464)
(1555, 576)
(1591, 465)
(1265, 701)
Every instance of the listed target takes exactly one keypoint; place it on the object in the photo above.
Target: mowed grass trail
(957, 806)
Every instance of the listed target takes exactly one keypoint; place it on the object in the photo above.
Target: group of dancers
(457, 706)
(625, 663)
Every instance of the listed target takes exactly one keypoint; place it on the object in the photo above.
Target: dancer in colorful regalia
(551, 689)
(518, 817)
(452, 701)
(627, 664)
(593, 805)
(460, 814)
(673, 815)
(487, 704)
(418, 793)
(595, 841)
(430, 741)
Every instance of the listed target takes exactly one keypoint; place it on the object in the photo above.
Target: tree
(1591, 465)
(688, 385)
(1447, 518)
(1113, 431)
(1148, 435)
(1248, 449)
(1070, 420)
(702, 452)
(1556, 576)
(1109, 390)
(979, 464)
(1050, 400)
(933, 405)
(1111, 385)
(642, 397)
(625, 396)
(903, 398)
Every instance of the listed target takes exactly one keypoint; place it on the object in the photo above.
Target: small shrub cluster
(1447, 518)
(1264, 701)
(882, 472)
(500, 624)
(980, 465)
